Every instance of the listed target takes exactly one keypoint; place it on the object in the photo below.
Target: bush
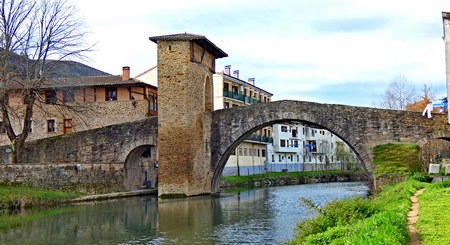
(421, 177)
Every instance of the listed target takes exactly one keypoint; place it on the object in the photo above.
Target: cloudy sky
(327, 51)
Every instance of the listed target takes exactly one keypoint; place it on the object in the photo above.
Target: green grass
(249, 179)
(396, 159)
(434, 214)
(27, 196)
(380, 219)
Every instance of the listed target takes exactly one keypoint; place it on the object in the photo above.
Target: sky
(326, 51)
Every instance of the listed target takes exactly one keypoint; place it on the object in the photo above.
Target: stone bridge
(362, 128)
(195, 142)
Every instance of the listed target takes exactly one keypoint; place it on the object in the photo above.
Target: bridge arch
(140, 168)
(362, 128)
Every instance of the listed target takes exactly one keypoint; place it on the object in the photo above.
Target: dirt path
(413, 216)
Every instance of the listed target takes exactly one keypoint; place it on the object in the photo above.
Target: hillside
(59, 68)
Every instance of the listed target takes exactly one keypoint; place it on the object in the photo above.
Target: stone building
(67, 105)
(231, 91)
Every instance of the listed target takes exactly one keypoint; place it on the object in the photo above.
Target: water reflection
(264, 216)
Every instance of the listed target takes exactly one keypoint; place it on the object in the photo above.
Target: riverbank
(20, 197)
(352, 221)
(292, 178)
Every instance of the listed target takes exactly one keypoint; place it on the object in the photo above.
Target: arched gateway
(194, 143)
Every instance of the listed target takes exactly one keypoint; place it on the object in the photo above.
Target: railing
(260, 138)
(241, 97)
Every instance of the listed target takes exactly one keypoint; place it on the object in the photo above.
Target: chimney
(251, 81)
(236, 74)
(227, 70)
(125, 73)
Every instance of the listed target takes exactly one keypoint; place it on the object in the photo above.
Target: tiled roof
(85, 82)
(202, 40)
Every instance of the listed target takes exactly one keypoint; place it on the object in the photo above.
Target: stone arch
(208, 96)
(251, 126)
(140, 168)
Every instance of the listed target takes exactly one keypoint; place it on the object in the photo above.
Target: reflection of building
(74, 104)
(298, 147)
(230, 91)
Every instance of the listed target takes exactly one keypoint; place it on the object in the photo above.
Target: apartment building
(302, 147)
(231, 91)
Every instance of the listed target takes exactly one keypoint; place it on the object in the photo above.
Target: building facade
(302, 147)
(230, 91)
(67, 105)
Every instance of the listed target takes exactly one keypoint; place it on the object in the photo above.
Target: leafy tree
(33, 35)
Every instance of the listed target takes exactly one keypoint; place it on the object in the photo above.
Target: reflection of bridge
(194, 142)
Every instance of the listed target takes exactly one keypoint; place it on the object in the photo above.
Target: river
(256, 216)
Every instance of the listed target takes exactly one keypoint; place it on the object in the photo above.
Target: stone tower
(446, 21)
(186, 63)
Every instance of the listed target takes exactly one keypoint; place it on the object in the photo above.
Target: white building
(300, 147)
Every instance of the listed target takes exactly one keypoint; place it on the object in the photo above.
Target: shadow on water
(265, 215)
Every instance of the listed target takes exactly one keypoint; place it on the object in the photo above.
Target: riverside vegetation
(381, 218)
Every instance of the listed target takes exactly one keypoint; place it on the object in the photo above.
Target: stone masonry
(185, 66)
(92, 161)
(361, 128)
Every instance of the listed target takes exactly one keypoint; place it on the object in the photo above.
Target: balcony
(241, 97)
(260, 138)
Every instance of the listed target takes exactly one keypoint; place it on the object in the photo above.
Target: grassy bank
(434, 214)
(248, 180)
(16, 197)
(380, 219)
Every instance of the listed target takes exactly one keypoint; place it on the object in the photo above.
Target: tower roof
(199, 39)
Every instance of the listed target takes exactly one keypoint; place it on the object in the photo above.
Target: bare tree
(34, 35)
(398, 95)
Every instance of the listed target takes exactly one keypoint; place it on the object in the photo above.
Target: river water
(257, 216)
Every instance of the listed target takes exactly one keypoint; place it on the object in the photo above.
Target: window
(282, 143)
(298, 158)
(273, 158)
(67, 126)
(259, 153)
(279, 158)
(284, 129)
(51, 126)
(295, 143)
(153, 102)
(245, 151)
(111, 94)
(226, 105)
(263, 153)
(68, 96)
(50, 97)
(294, 133)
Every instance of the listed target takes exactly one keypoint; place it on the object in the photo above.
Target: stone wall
(86, 178)
(91, 161)
(84, 116)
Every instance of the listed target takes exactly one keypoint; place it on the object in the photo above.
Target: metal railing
(241, 97)
(260, 138)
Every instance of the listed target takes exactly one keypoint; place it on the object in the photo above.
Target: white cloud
(301, 45)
